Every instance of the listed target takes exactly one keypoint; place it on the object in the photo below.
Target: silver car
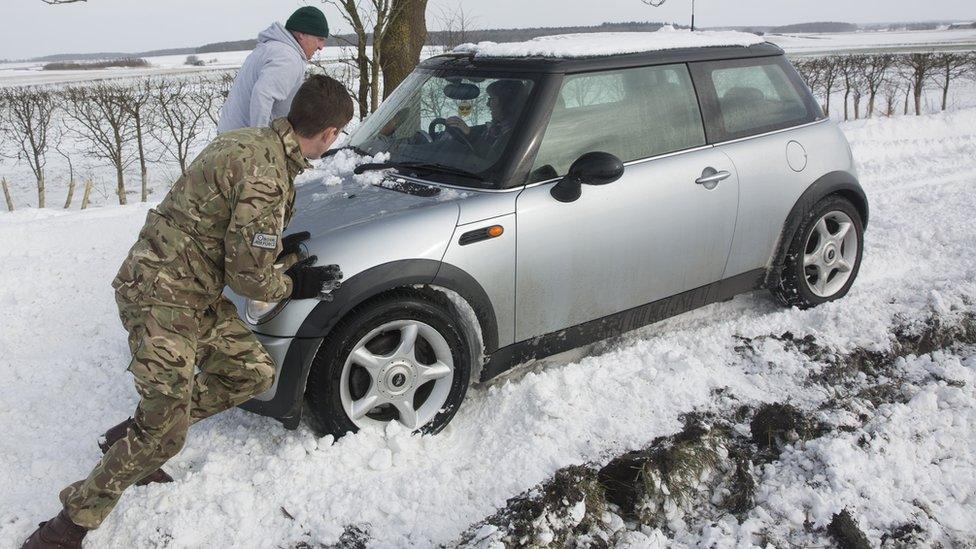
(533, 205)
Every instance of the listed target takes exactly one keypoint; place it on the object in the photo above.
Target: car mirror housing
(592, 168)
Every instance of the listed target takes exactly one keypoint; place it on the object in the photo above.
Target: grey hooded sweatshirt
(267, 82)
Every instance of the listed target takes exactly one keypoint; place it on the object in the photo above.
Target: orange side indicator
(495, 231)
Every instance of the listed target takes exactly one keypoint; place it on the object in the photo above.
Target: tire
(819, 249)
(374, 385)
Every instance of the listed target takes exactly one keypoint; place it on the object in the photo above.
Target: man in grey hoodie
(271, 74)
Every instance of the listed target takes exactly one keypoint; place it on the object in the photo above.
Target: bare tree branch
(101, 120)
(28, 119)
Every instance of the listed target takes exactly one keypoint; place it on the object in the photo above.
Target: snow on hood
(278, 33)
(331, 196)
(610, 43)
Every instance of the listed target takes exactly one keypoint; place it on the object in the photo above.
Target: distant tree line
(125, 62)
(820, 26)
(869, 83)
(136, 122)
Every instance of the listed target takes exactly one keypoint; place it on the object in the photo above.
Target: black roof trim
(467, 61)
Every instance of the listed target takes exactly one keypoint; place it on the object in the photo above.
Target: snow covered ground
(243, 481)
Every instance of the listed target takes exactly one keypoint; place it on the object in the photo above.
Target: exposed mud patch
(776, 425)
(708, 472)
(904, 537)
(845, 531)
(704, 470)
(566, 511)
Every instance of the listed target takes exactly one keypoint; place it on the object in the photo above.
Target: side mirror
(593, 168)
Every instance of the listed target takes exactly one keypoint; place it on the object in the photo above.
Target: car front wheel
(401, 358)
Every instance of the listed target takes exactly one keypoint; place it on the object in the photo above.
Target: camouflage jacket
(220, 224)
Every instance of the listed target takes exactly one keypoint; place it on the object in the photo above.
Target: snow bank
(610, 43)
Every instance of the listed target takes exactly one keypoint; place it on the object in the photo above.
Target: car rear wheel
(401, 358)
(825, 255)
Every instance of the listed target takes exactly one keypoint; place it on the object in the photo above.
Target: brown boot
(57, 533)
(113, 435)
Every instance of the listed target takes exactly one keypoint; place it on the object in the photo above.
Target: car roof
(547, 64)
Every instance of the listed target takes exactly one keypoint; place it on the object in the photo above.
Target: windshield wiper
(430, 166)
(353, 148)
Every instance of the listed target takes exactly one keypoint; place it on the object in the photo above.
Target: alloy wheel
(830, 254)
(401, 371)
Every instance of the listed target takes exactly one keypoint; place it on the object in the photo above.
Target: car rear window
(631, 113)
(745, 97)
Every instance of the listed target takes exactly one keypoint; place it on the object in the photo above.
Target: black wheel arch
(286, 405)
(840, 183)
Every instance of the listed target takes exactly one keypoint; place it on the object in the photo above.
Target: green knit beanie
(309, 20)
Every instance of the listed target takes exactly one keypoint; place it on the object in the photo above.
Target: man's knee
(262, 378)
(161, 421)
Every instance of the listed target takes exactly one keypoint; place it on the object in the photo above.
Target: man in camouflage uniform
(221, 224)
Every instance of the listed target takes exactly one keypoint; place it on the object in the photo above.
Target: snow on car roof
(610, 43)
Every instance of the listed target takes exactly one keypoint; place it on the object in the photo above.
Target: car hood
(325, 204)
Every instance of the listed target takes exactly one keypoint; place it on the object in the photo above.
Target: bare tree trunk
(847, 94)
(374, 78)
(71, 194)
(86, 195)
(121, 185)
(403, 41)
(6, 195)
(918, 99)
(142, 159)
(908, 93)
(871, 98)
(40, 190)
(945, 88)
(145, 183)
(362, 63)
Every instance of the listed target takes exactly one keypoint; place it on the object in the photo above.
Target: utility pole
(692, 15)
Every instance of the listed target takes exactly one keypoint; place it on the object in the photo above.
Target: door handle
(710, 177)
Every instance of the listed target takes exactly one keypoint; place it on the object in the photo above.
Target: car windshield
(451, 127)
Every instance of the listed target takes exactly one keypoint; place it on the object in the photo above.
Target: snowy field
(31, 73)
(243, 481)
(875, 41)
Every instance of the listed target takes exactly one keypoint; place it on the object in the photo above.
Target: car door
(663, 228)
(753, 108)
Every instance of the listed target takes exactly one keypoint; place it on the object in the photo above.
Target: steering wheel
(453, 131)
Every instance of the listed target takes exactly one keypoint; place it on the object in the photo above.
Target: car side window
(592, 89)
(632, 113)
(746, 97)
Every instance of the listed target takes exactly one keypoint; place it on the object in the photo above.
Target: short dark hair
(321, 102)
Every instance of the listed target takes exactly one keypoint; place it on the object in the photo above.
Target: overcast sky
(30, 28)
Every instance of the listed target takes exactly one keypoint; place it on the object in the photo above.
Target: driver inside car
(503, 102)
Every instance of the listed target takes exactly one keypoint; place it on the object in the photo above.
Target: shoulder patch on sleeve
(266, 241)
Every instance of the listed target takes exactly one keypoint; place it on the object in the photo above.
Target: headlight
(259, 312)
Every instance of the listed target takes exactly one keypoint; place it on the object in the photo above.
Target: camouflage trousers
(168, 344)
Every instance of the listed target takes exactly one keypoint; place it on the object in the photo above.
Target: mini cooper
(525, 205)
